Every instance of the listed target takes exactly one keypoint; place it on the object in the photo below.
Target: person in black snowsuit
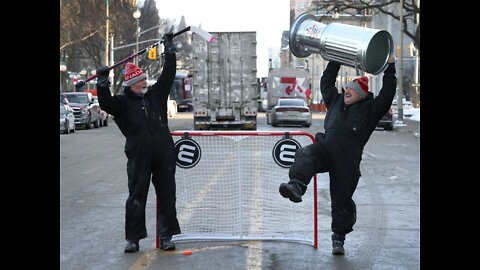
(351, 118)
(141, 116)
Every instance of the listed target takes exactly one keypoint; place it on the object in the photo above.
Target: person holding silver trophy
(352, 116)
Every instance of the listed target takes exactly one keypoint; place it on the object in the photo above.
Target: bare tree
(411, 8)
(82, 33)
(82, 30)
(184, 54)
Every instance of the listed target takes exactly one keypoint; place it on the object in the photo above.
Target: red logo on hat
(132, 71)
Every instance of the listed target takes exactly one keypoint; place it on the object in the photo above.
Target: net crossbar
(231, 193)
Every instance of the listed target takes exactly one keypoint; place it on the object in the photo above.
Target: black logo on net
(284, 152)
(188, 153)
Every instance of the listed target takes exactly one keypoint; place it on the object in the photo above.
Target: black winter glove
(103, 71)
(102, 77)
(168, 45)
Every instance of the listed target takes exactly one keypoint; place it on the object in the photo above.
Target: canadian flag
(289, 85)
(302, 91)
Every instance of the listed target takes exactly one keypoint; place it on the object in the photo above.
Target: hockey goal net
(227, 187)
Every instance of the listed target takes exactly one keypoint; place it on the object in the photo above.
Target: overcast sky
(269, 18)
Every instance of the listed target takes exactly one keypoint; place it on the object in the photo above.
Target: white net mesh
(232, 192)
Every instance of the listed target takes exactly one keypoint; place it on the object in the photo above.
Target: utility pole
(137, 15)
(107, 33)
(400, 70)
(112, 71)
(417, 57)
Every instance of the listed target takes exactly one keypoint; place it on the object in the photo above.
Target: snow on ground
(410, 113)
(415, 112)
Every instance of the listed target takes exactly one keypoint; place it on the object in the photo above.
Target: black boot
(132, 246)
(293, 190)
(337, 244)
(166, 243)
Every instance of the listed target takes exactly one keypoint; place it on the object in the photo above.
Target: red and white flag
(289, 85)
(302, 91)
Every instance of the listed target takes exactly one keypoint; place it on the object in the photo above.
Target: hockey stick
(202, 33)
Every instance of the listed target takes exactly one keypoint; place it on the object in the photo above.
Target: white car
(292, 111)
(67, 120)
(171, 107)
(103, 114)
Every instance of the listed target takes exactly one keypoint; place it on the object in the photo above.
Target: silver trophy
(358, 47)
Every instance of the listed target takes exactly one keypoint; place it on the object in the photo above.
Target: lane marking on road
(254, 252)
(184, 216)
(92, 169)
(146, 259)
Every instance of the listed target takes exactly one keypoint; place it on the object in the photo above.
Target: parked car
(84, 108)
(103, 118)
(387, 120)
(103, 114)
(185, 106)
(406, 106)
(291, 111)
(67, 120)
(171, 107)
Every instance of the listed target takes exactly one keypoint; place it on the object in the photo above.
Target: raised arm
(111, 105)
(384, 99)
(327, 82)
(165, 80)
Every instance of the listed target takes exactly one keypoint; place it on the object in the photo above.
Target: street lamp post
(63, 71)
(400, 73)
(137, 15)
(107, 31)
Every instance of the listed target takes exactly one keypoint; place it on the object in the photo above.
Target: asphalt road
(93, 191)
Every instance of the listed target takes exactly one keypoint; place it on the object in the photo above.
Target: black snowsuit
(150, 151)
(339, 151)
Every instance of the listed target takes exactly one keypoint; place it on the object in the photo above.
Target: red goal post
(227, 187)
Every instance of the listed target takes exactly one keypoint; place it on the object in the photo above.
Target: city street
(93, 190)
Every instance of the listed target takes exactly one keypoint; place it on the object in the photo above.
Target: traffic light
(152, 53)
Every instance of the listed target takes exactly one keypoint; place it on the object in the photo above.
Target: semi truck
(286, 83)
(225, 81)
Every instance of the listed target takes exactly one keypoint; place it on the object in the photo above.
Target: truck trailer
(225, 81)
